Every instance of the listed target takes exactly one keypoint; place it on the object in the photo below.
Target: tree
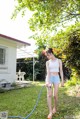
(41, 67)
(69, 43)
(26, 65)
(47, 16)
(72, 50)
(49, 13)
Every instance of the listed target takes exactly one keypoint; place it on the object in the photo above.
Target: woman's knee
(49, 95)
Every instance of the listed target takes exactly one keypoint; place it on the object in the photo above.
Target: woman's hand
(48, 85)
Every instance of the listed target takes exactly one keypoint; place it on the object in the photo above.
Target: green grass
(21, 101)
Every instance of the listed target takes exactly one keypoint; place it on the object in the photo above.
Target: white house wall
(8, 71)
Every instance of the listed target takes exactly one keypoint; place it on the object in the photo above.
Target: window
(2, 56)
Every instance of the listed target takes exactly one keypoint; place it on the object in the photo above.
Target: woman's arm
(48, 74)
(61, 72)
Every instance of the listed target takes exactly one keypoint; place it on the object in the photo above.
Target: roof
(13, 39)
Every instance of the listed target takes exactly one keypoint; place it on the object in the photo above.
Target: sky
(18, 28)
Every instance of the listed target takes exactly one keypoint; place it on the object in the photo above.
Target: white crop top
(54, 65)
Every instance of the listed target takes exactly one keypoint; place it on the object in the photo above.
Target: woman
(53, 67)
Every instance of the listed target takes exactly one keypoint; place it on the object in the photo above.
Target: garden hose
(39, 95)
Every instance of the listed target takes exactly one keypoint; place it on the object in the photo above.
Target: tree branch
(75, 14)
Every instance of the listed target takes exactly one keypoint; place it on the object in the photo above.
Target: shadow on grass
(68, 106)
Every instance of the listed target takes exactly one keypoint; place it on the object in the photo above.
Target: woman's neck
(53, 58)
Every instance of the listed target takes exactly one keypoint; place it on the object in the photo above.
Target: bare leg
(56, 86)
(49, 101)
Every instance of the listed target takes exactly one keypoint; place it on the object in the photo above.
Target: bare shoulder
(60, 61)
(47, 62)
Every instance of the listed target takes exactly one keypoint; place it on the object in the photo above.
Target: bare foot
(50, 116)
(54, 110)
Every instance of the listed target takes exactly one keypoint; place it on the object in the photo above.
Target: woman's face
(49, 55)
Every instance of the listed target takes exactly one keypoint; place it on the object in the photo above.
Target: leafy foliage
(26, 65)
(41, 66)
(49, 13)
(47, 16)
(73, 50)
(69, 43)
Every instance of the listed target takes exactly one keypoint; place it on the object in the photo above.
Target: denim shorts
(54, 79)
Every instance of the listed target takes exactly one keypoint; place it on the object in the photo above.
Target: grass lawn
(21, 101)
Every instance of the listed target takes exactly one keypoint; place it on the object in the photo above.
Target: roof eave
(15, 40)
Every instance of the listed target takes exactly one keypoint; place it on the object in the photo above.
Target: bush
(2, 90)
(74, 81)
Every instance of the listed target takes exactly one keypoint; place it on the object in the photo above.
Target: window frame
(2, 59)
(5, 64)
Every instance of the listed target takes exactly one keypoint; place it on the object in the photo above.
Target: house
(8, 51)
